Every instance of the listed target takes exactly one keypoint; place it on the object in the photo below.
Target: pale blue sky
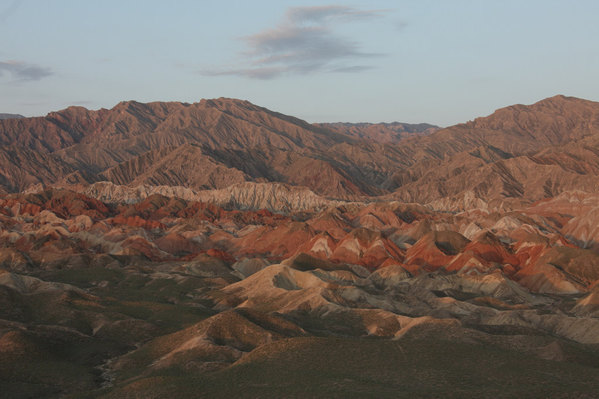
(441, 62)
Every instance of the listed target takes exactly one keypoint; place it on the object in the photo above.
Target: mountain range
(220, 249)
(519, 152)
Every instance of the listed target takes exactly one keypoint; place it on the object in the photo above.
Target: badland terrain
(220, 249)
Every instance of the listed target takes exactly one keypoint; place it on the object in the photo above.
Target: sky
(442, 62)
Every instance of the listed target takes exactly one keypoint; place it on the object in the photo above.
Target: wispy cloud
(24, 71)
(304, 42)
(352, 68)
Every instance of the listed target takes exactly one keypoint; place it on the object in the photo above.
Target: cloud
(320, 13)
(24, 71)
(304, 42)
(353, 68)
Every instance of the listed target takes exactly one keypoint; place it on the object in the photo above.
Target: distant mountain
(381, 132)
(10, 116)
(212, 144)
(521, 152)
(528, 152)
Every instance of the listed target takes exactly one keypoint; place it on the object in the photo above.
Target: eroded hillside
(176, 296)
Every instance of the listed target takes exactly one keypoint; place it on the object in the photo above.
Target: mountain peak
(225, 101)
(556, 98)
(547, 112)
(559, 101)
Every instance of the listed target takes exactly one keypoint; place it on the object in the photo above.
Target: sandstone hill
(166, 296)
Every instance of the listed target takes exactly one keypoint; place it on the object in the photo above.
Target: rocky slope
(254, 196)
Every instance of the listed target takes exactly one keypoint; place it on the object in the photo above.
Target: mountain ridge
(231, 141)
(10, 116)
